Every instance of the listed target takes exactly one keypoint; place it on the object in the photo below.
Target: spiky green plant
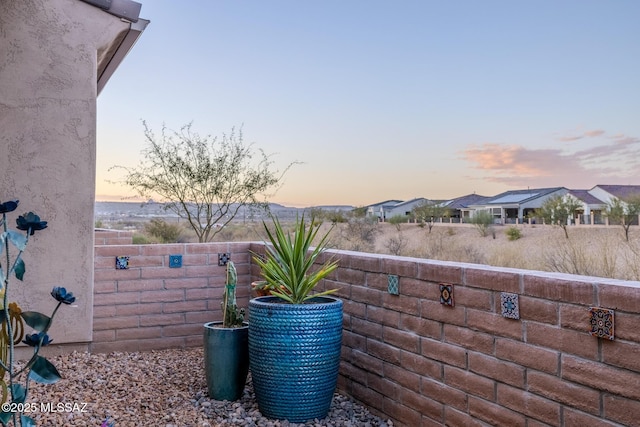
(287, 267)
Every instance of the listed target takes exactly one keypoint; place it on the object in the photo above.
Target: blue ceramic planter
(294, 354)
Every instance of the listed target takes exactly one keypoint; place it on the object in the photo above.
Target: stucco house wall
(48, 72)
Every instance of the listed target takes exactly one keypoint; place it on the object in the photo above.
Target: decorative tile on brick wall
(510, 305)
(602, 322)
(223, 258)
(393, 285)
(175, 261)
(122, 262)
(446, 295)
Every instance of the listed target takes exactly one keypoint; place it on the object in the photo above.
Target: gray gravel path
(159, 388)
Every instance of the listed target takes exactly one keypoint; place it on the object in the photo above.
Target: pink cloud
(570, 138)
(592, 133)
(587, 134)
(616, 161)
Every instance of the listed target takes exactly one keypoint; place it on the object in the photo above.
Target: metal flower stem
(6, 313)
(31, 361)
(36, 350)
(12, 374)
(5, 283)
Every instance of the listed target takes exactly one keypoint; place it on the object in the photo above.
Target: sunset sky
(389, 99)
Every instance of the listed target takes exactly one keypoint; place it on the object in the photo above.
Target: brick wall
(407, 356)
(423, 363)
(112, 237)
(153, 306)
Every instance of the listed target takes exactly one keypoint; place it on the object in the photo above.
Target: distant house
(608, 192)
(458, 208)
(592, 207)
(379, 209)
(513, 206)
(403, 209)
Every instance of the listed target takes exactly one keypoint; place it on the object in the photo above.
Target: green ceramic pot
(226, 360)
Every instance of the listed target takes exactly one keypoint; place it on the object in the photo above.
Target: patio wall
(407, 356)
(151, 305)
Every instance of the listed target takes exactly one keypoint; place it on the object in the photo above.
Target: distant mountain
(334, 207)
(150, 209)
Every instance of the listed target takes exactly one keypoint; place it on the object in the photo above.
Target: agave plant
(287, 267)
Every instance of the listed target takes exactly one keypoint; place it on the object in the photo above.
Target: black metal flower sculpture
(13, 320)
(61, 295)
(31, 223)
(39, 339)
(8, 206)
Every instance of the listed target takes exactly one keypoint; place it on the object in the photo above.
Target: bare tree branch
(205, 180)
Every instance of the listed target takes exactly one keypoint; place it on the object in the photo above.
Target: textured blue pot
(294, 354)
(226, 360)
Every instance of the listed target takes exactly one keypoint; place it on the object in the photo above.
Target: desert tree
(428, 213)
(482, 220)
(558, 210)
(624, 211)
(203, 179)
(163, 231)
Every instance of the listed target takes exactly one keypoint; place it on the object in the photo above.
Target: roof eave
(113, 62)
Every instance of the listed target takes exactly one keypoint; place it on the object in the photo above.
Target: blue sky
(389, 99)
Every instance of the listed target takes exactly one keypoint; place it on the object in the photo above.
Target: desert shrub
(336, 217)
(483, 222)
(163, 231)
(451, 231)
(577, 256)
(513, 233)
(507, 257)
(473, 255)
(396, 245)
(240, 232)
(631, 260)
(357, 234)
(397, 220)
(141, 239)
(434, 245)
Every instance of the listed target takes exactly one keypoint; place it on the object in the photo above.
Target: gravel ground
(159, 388)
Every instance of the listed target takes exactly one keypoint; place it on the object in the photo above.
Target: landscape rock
(160, 388)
